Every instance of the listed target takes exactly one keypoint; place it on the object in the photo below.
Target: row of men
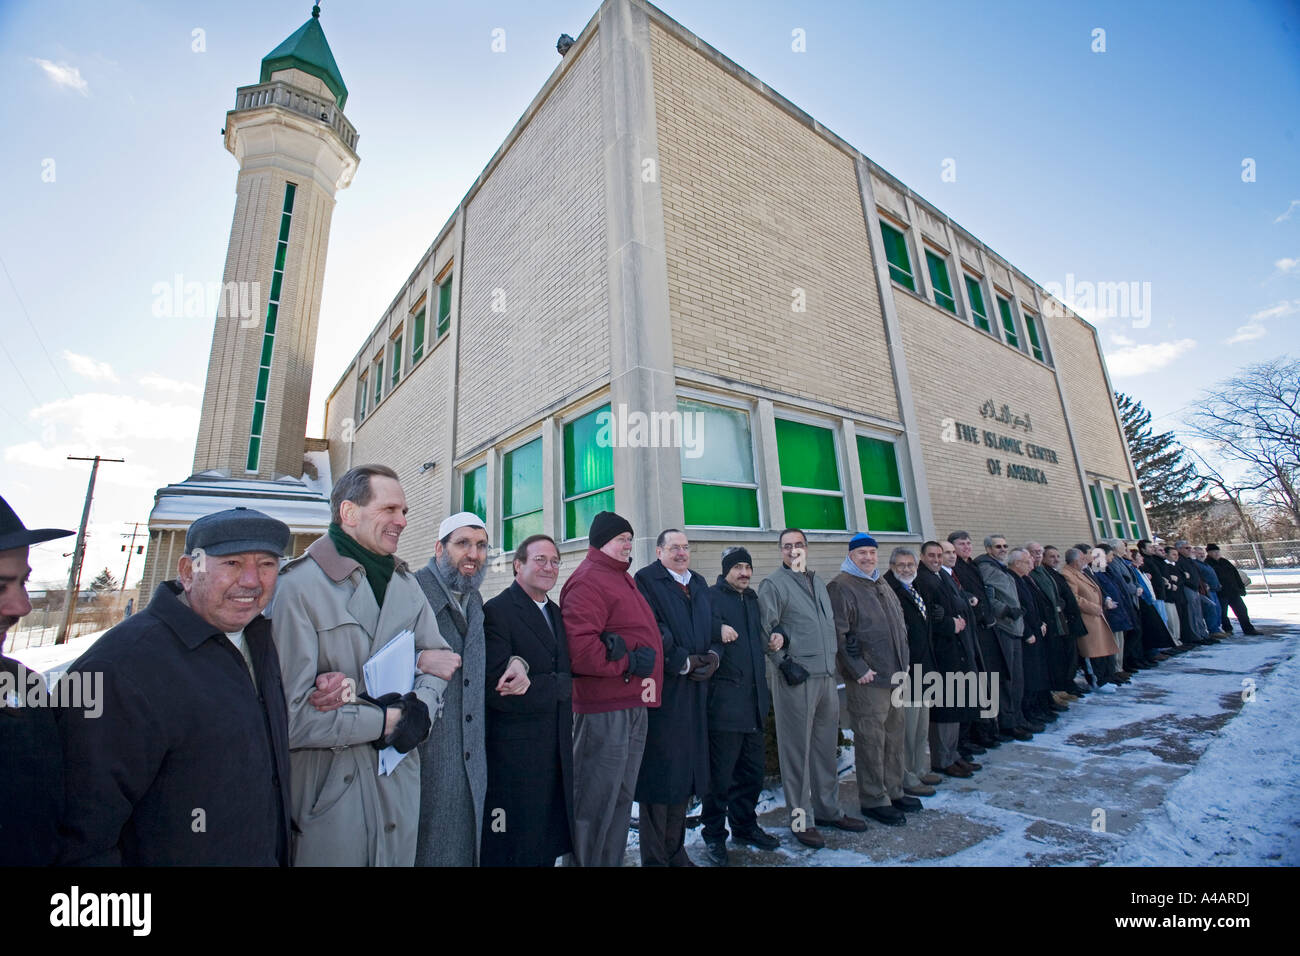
(530, 726)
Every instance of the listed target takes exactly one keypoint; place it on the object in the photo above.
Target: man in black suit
(947, 611)
(528, 807)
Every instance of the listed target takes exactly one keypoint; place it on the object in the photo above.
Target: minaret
(295, 150)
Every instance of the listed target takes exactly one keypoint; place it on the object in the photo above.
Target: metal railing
(279, 93)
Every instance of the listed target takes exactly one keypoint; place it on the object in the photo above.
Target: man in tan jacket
(336, 606)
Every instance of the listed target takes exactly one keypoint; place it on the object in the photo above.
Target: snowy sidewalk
(1173, 769)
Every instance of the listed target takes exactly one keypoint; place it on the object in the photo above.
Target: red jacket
(601, 596)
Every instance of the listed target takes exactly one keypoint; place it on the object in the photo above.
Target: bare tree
(1254, 419)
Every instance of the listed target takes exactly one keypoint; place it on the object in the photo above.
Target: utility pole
(74, 573)
(135, 530)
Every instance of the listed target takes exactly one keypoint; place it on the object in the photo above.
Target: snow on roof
(295, 502)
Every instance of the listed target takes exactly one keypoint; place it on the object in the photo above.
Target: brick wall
(757, 205)
(1101, 443)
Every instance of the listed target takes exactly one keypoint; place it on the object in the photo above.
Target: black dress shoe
(1021, 734)
(889, 816)
(1005, 735)
(1034, 726)
(974, 749)
(906, 803)
(716, 850)
(1058, 708)
(758, 838)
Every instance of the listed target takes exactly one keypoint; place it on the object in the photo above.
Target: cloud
(98, 418)
(33, 454)
(1120, 340)
(90, 368)
(1134, 360)
(1254, 327)
(1287, 265)
(164, 384)
(1295, 203)
(61, 74)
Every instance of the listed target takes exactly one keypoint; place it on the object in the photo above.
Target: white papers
(391, 671)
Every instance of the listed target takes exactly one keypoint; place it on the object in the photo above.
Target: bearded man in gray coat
(453, 767)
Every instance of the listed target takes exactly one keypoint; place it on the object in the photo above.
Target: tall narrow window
(1098, 515)
(588, 470)
(444, 307)
(939, 279)
(362, 397)
(377, 376)
(521, 493)
(1008, 322)
(718, 486)
(395, 360)
(1134, 531)
(900, 264)
(881, 486)
(978, 311)
(1031, 329)
(268, 333)
(810, 477)
(417, 336)
(473, 491)
(1115, 518)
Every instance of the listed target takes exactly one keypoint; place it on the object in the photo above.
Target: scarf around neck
(378, 567)
(849, 567)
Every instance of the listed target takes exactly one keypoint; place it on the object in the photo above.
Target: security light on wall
(427, 466)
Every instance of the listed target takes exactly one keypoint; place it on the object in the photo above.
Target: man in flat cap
(187, 762)
(616, 656)
(453, 760)
(339, 604)
(31, 764)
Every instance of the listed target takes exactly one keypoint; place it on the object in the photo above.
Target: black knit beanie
(605, 527)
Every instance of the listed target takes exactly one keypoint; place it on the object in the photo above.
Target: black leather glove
(702, 666)
(1015, 613)
(615, 647)
(641, 661)
(412, 727)
(793, 672)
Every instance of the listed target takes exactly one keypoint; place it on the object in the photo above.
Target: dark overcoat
(676, 759)
(946, 607)
(528, 810)
(738, 694)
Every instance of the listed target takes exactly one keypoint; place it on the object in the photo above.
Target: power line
(35, 331)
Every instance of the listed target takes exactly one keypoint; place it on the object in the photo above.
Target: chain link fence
(1271, 565)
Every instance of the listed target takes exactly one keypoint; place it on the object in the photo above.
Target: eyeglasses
(678, 549)
(544, 562)
(791, 547)
(999, 547)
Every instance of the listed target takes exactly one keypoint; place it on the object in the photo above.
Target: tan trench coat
(1100, 640)
(325, 618)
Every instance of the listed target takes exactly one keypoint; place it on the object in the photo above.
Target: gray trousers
(1194, 614)
(807, 733)
(607, 752)
(1010, 716)
(943, 744)
(1171, 621)
(878, 739)
(916, 741)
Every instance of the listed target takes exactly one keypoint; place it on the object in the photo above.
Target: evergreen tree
(1169, 482)
(104, 582)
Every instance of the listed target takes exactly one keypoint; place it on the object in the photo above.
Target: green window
(1031, 329)
(1097, 513)
(881, 486)
(362, 396)
(718, 486)
(521, 493)
(810, 478)
(395, 361)
(378, 378)
(444, 307)
(1008, 323)
(900, 264)
(268, 332)
(1133, 531)
(939, 279)
(976, 294)
(473, 491)
(1115, 518)
(417, 336)
(588, 471)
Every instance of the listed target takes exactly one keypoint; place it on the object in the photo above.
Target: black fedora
(13, 534)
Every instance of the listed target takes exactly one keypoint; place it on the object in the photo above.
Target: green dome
(307, 50)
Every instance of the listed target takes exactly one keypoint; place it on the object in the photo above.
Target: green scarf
(378, 567)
